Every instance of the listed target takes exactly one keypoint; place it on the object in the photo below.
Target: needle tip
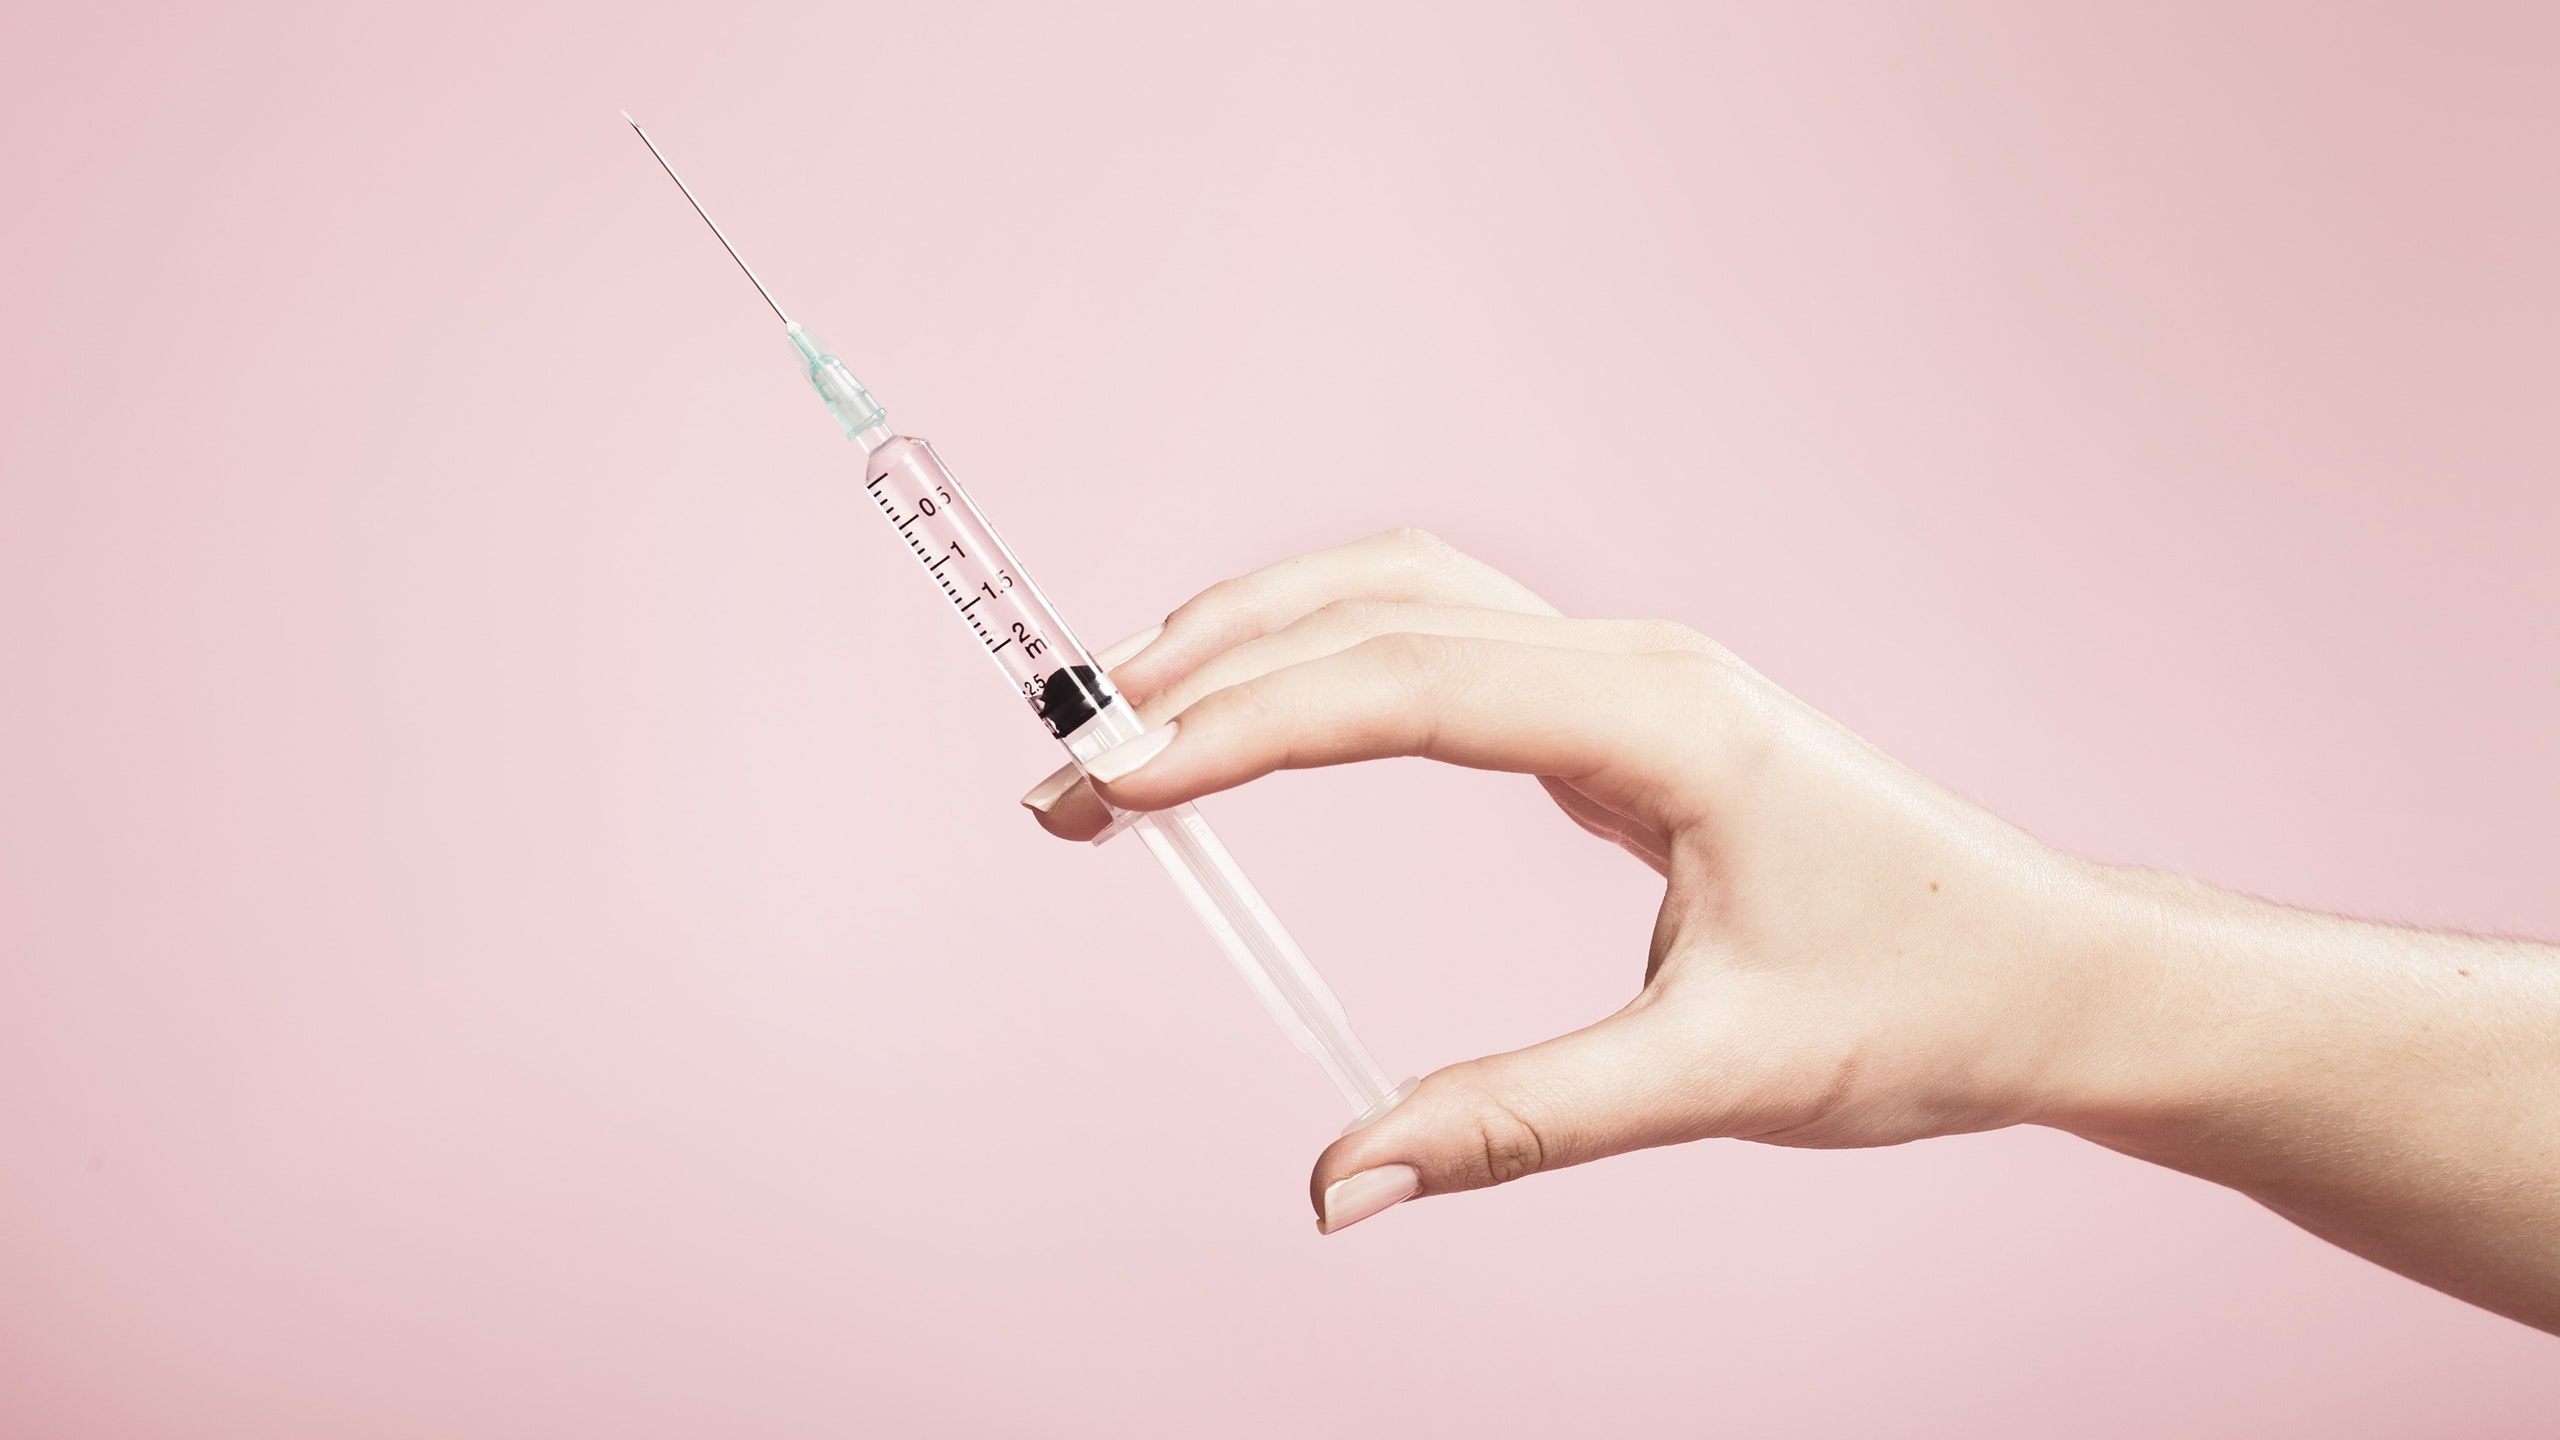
(706, 218)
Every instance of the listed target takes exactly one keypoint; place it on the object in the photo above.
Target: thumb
(1622, 1084)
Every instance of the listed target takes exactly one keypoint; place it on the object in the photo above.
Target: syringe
(1028, 641)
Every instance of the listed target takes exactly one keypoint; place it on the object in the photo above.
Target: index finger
(1398, 565)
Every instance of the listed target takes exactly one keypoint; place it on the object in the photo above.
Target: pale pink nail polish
(1121, 652)
(1355, 1198)
(1122, 760)
(1045, 794)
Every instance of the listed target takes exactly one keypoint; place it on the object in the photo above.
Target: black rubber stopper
(1072, 695)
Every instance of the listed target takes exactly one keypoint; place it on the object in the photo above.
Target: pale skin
(1849, 954)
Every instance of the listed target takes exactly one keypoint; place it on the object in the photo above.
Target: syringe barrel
(1030, 642)
(1264, 953)
(1012, 621)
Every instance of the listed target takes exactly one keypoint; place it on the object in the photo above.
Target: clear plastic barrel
(1014, 623)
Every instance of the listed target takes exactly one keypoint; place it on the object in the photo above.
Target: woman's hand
(1846, 953)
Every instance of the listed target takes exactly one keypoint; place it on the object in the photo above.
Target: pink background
(513, 920)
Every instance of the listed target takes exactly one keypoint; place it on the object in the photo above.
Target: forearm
(2393, 1091)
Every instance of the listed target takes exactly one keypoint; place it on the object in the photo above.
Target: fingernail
(1045, 794)
(1355, 1198)
(1113, 656)
(1123, 759)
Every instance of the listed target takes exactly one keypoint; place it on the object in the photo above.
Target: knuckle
(1710, 706)
(1420, 674)
(1251, 724)
(1419, 546)
(1672, 637)
(1428, 668)
(1250, 706)
(1480, 1137)
(1233, 596)
(1508, 1146)
(1713, 649)
(1221, 595)
(1691, 674)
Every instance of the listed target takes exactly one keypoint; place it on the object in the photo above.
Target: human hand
(1847, 954)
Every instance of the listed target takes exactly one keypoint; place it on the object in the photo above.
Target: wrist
(2165, 1013)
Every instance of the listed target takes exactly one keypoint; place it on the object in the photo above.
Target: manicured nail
(1122, 760)
(1113, 656)
(1045, 794)
(1355, 1198)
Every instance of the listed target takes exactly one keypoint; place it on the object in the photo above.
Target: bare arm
(2393, 1091)
(1848, 954)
